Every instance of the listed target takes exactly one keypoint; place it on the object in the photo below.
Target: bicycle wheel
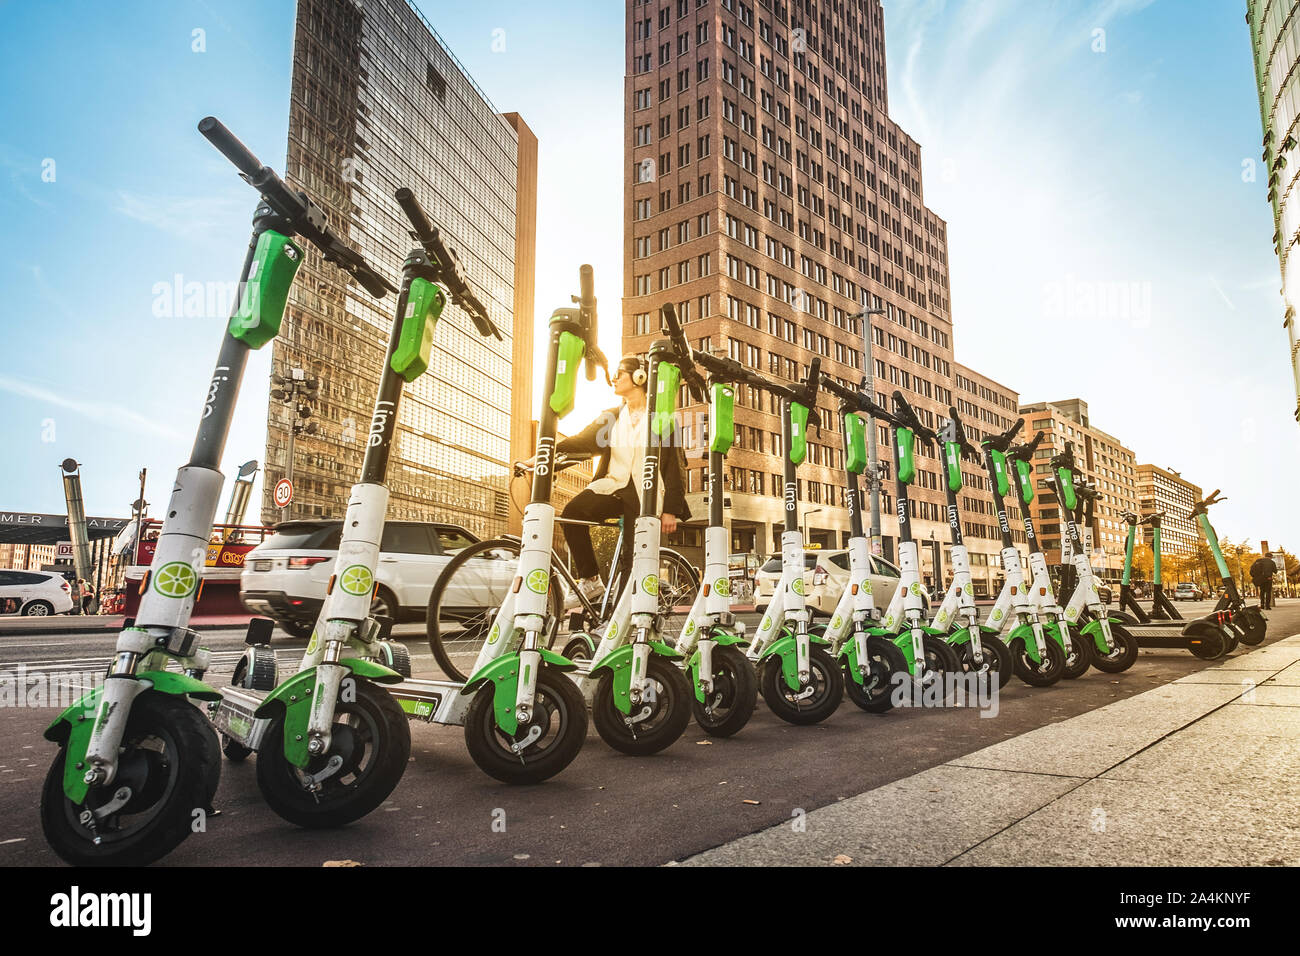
(465, 599)
(679, 583)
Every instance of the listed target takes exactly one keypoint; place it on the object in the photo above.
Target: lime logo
(797, 586)
(1024, 586)
(612, 631)
(175, 580)
(997, 615)
(537, 580)
(835, 624)
(690, 628)
(357, 580)
(496, 633)
(866, 586)
(650, 584)
(916, 587)
(722, 586)
(767, 622)
(313, 643)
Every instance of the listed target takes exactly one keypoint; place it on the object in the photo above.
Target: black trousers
(589, 506)
(1266, 595)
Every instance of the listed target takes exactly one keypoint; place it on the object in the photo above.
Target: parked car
(285, 577)
(826, 574)
(1186, 591)
(35, 593)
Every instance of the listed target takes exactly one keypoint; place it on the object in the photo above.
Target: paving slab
(923, 820)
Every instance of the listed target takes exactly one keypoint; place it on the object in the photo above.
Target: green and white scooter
(136, 759)
(798, 678)
(873, 665)
(957, 619)
(332, 744)
(928, 656)
(1232, 616)
(1107, 645)
(712, 641)
(1042, 594)
(1037, 658)
(1162, 609)
(524, 718)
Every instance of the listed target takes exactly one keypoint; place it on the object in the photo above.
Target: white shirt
(626, 452)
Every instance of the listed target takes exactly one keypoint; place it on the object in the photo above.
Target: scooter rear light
(305, 562)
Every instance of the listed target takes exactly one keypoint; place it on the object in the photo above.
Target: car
(1186, 591)
(826, 575)
(34, 593)
(285, 577)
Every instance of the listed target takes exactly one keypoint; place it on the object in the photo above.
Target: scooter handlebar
(229, 145)
(856, 399)
(962, 442)
(907, 418)
(1025, 451)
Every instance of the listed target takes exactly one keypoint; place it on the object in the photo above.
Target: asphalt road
(605, 809)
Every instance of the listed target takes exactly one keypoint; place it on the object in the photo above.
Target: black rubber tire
(396, 656)
(579, 648)
(941, 658)
(996, 655)
(1212, 644)
(192, 762)
(735, 690)
(1254, 626)
(670, 714)
(1079, 659)
(1044, 674)
(436, 626)
(1124, 651)
(387, 738)
(826, 675)
(38, 609)
(887, 663)
(556, 698)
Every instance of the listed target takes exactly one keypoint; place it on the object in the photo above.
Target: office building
(1162, 489)
(378, 102)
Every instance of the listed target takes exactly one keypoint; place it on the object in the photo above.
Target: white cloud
(97, 411)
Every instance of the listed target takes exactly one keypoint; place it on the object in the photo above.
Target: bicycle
(465, 598)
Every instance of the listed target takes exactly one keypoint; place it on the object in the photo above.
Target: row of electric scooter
(138, 760)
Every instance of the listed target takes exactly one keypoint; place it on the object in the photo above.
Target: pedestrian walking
(1261, 572)
(87, 595)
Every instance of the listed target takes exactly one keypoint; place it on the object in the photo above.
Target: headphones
(634, 366)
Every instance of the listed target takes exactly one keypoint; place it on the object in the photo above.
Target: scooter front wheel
(996, 659)
(875, 693)
(1079, 657)
(1045, 672)
(669, 711)
(372, 738)
(171, 763)
(728, 707)
(826, 682)
(1253, 625)
(558, 709)
(1124, 651)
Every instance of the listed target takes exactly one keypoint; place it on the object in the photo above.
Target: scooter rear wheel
(1124, 651)
(372, 737)
(1253, 625)
(1044, 673)
(171, 761)
(735, 693)
(670, 711)
(827, 682)
(558, 708)
(875, 694)
(1206, 641)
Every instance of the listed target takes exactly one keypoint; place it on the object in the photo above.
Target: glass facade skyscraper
(378, 102)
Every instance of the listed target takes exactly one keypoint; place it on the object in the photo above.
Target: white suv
(34, 593)
(825, 576)
(284, 577)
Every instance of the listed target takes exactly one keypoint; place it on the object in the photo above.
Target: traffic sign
(283, 492)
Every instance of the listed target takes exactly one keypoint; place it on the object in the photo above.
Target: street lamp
(805, 523)
(298, 391)
(874, 470)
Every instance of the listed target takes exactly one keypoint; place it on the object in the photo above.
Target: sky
(1092, 161)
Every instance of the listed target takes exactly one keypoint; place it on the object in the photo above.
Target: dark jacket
(1262, 569)
(594, 440)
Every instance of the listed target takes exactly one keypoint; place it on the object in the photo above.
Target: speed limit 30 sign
(283, 492)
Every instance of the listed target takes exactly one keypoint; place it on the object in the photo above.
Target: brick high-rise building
(769, 195)
(1162, 490)
(1102, 458)
(378, 101)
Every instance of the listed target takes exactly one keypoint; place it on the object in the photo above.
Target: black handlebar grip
(587, 290)
(215, 132)
(414, 212)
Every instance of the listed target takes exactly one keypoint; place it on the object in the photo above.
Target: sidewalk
(1198, 772)
(106, 623)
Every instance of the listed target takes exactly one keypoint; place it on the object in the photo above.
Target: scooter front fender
(1024, 633)
(619, 662)
(1093, 630)
(785, 648)
(74, 727)
(504, 675)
